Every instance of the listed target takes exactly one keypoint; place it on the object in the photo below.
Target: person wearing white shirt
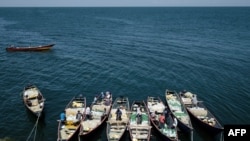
(88, 113)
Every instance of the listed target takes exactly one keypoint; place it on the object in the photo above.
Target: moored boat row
(138, 118)
(80, 120)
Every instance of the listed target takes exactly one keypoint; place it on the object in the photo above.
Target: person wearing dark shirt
(118, 114)
(78, 116)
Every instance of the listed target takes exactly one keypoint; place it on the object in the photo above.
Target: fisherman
(162, 120)
(118, 114)
(41, 104)
(88, 113)
(29, 103)
(139, 116)
(153, 115)
(39, 97)
(95, 99)
(108, 95)
(102, 95)
(175, 123)
(194, 100)
(78, 116)
(63, 117)
(166, 113)
(107, 102)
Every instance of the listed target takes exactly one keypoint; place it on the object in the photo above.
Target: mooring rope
(34, 129)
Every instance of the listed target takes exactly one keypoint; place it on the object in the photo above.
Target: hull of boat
(207, 127)
(30, 48)
(116, 128)
(201, 115)
(33, 100)
(156, 104)
(89, 126)
(139, 130)
(69, 129)
(179, 111)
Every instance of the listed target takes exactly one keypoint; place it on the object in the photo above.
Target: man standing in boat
(78, 116)
(118, 114)
(194, 100)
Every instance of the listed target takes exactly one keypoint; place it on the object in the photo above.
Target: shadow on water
(32, 117)
(6, 139)
(97, 135)
(38, 132)
(200, 134)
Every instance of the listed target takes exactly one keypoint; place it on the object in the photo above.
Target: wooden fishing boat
(156, 107)
(139, 126)
(100, 110)
(33, 99)
(115, 127)
(201, 114)
(30, 48)
(68, 128)
(179, 111)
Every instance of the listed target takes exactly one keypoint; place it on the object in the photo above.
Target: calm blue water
(137, 52)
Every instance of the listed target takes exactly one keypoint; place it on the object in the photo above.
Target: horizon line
(110, 6)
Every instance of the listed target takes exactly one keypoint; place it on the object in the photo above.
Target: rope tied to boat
(34, 129)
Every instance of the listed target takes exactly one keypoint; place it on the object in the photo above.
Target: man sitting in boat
(162, 121)
(29, 103)
(63, 117)
(107, 102)
(153, 115)
(41, 104)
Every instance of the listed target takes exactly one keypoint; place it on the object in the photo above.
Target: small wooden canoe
(100, 110)
(33, 99)
(201, 114)
(139, 127)
(30, 48)
(156, 108)
(67, 129)
(116, 128)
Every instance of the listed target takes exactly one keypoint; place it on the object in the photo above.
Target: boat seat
(71, 127)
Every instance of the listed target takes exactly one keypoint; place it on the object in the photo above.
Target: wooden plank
(111, 127)
(139, 127)
(140, 132)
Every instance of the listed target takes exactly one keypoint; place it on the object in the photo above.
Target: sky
(120, 3)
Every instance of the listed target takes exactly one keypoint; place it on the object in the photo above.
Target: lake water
(137, 52)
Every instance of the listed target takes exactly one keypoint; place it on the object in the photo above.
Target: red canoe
(30, 48)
